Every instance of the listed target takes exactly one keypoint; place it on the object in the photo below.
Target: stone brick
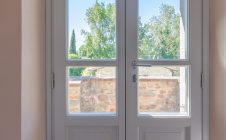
(98, 95)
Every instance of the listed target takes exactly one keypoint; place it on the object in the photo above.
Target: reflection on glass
(91, 29)
(162, 29)
(163, 90)
(91, 90)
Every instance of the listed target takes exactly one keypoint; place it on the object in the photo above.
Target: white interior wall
(33, 100)
(33, 70)
(218, 69)
(10, 69)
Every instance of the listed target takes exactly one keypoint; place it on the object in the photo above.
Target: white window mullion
(91, 63)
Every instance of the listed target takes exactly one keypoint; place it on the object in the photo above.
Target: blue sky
(77, 10)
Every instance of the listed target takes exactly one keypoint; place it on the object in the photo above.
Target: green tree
(73, 55)
(157, 39)
(160, 37)
(72, 48)
(100, 41)
(76, 71)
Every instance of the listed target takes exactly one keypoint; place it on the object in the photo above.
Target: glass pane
(91, 29)
(91, 90)
(162, 30)
(163, 90)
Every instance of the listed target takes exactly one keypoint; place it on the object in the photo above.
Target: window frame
(205, 68)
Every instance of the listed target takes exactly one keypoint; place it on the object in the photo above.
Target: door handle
(135, 65)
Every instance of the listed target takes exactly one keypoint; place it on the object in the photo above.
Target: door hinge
(134, 78)
(202, 80)
(52, 80)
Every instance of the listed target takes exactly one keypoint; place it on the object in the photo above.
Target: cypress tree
(72, 49)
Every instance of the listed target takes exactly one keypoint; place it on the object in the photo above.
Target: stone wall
(159, 95)
(98, 95)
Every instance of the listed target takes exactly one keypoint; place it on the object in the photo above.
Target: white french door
(126, 70)
(153, 111)
(89, 92)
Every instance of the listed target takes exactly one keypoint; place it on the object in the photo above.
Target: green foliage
(100, 41)
(76, 71)
(87, 72)
(159, 38)
(72, 48)
(73, 56)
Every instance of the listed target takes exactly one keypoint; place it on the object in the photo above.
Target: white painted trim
(48, 55)
(51, 57)
(205, 68)
(114, 62)
(92, 63)
(165, 62)
(205, 62)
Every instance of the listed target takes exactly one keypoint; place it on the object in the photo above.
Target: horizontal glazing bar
(178, 63)
(103, 114)
(91, 63)
(91, 121)
(163, 115)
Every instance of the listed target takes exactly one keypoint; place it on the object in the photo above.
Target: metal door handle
(135, 65)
